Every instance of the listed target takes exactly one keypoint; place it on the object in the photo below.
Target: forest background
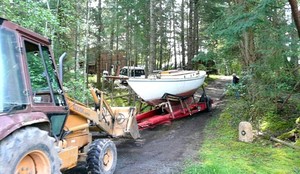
(256, 39)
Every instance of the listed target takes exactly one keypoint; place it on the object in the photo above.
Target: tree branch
(289, 96)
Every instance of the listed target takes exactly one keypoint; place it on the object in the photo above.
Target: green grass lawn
(222, 153)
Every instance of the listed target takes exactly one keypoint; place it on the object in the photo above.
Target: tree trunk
(161, 35)
(182, 34)
(111, 48)
(86, 47)
(196, 29)
(295, 14)
(99, 45)
(77, 44)
(174, 35)
(247, 44)
(248, 47)
(152, 38)
(117, 39)
(130, 42)
(191, 34)
(129, 59)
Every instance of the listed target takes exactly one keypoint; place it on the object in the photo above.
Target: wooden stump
(245, 132)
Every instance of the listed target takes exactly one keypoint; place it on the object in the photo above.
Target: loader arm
(101, 103)
(115, 121)
(104, 123)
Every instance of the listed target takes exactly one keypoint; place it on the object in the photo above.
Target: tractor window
(42, 73)
(13, 94)
(53, 78)
(57, 123)
(38, 75)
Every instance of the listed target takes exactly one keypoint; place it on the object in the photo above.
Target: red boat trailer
(173, 107)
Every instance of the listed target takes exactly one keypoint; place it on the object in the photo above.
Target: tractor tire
(102, 157)
(29, 150)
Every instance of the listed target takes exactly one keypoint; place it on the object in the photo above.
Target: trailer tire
(102, 157)
(29, 150)
(208, 104)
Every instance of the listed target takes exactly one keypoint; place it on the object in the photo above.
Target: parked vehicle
(131, 72)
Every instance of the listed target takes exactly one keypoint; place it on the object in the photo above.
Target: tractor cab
(30, 91)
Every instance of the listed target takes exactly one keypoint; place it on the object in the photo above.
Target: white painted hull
(182, 84)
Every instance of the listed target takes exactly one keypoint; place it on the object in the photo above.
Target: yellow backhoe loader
(41, 129)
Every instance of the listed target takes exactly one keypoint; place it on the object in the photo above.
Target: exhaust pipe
(61, 60)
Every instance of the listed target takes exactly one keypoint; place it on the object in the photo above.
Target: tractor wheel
(102, 157)
(29, 150)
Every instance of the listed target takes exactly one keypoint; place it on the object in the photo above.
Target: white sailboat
(179, 83)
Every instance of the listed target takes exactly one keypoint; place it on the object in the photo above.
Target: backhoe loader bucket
(120, 120)
(125, 122)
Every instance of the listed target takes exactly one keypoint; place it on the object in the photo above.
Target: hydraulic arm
(115, 121)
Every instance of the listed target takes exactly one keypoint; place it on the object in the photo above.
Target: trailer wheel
(29, 150)
(208, 104)
(102, 157)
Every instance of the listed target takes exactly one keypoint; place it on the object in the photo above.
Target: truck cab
(131, 72)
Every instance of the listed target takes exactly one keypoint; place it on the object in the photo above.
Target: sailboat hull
(152, 90)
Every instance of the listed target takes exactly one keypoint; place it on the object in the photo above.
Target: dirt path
(165, 148)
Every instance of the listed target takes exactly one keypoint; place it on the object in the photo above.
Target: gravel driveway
(165, 148)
